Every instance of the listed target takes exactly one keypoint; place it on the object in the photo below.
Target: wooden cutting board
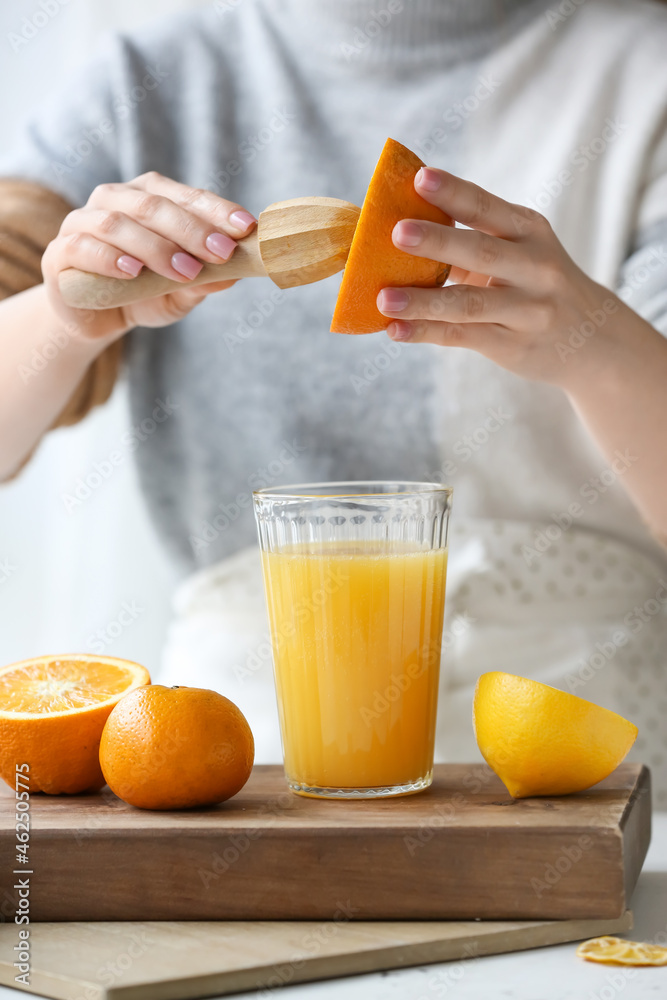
(177, 961)
(461, 850)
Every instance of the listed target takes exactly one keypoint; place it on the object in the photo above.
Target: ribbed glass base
(379, 792)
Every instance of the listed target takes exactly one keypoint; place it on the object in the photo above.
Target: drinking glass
(355, 587)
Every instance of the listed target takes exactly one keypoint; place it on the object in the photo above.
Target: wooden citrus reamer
(296, 242)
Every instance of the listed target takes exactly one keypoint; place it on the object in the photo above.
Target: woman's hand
(151, 222)
(518, 297)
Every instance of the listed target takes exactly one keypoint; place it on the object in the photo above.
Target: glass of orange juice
(355, 587)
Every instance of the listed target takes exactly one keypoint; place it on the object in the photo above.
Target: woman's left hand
(517, 297)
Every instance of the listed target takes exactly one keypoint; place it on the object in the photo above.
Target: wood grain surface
(177, 961)
(461, 850)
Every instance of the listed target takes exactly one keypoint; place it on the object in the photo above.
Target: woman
(548, 423)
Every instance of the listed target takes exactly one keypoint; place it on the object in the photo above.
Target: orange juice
(356, 631)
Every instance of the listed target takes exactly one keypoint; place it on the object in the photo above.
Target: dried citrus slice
(616, 951)
(52, 713)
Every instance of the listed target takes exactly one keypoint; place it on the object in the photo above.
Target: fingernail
(400, 330)
(428, 179)
(186, 265)
(130, 265)
(409, 234)
(221, 245)
(242, 219)
(392, 300)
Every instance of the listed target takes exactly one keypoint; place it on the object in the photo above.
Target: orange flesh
(374, 262)
(59, 686)
(52, 713)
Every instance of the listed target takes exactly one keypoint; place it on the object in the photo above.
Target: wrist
(88, 342)
(82, 334)
(595, 347)
(622, 345)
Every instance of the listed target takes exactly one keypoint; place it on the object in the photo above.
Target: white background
(71, 573)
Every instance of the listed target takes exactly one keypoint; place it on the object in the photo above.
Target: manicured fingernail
(400, 330)
(408, 234)
(130, 265)
(429, 180)
(242, 219)
(186, 265)
(221, 245)
(392, 300)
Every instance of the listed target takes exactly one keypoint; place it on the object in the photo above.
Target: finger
(481, 337)
(464, 248)
(188, 231)
(197, 293)
(87, 253)
(231, 217)
(462, 276)
(214, 286)
(473, 206)
(455, 304)
(130, 237)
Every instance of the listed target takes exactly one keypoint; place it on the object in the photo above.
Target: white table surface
(543, 974)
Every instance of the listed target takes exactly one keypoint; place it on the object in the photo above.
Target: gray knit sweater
(262, 100)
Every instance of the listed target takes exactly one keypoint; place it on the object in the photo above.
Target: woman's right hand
(151, 222)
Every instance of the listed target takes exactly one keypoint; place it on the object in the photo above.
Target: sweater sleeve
(30, 217)
(78, 138)
(75, 139)
(643, 277)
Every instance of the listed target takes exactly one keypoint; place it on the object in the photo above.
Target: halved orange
(543, 741)
(52, 713)
(374, 262)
